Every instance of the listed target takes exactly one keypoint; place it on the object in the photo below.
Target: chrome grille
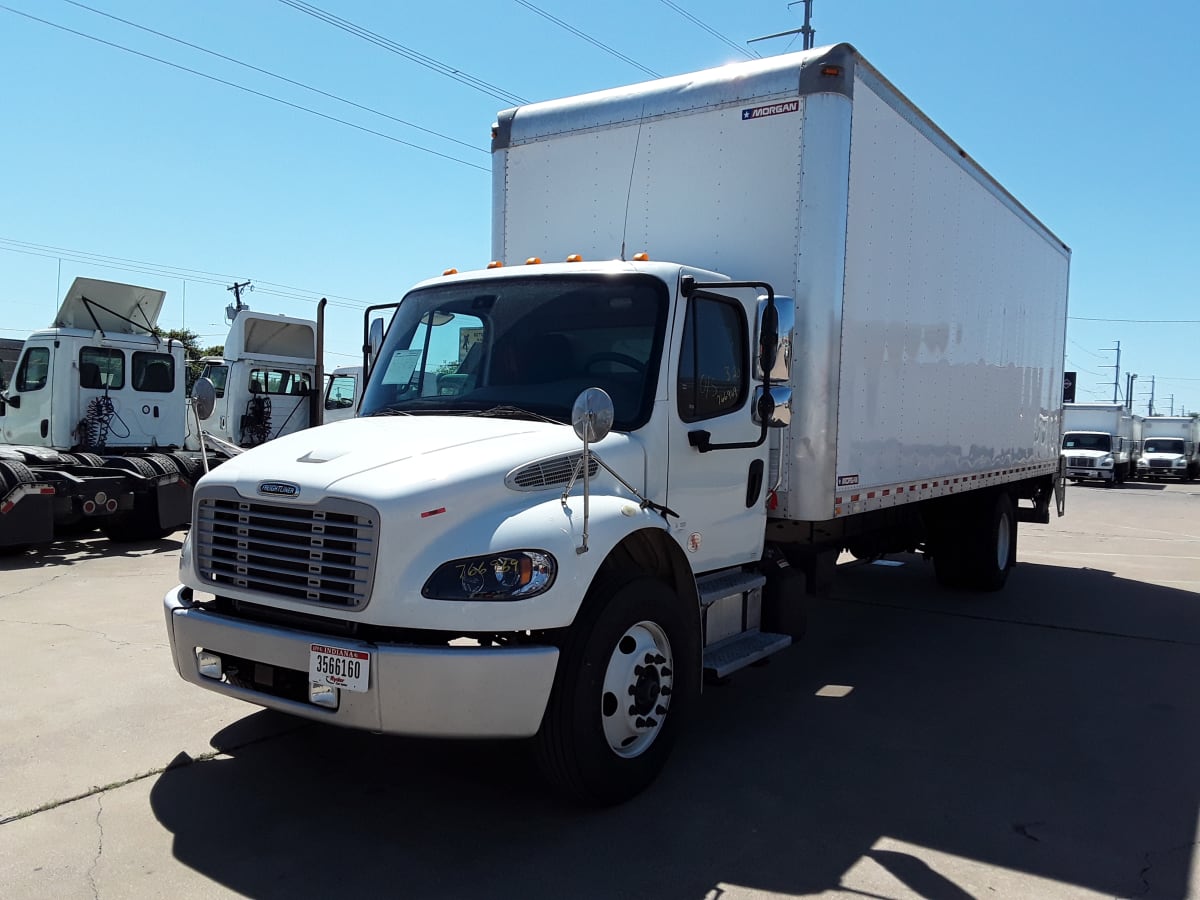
(1160, 463)
(1084, 462)
(324, 554)
(550, 472)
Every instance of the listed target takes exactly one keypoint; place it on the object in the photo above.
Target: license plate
(339, 667)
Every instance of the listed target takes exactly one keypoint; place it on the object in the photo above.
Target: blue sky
(1086, 111)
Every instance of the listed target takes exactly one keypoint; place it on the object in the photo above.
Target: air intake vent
(324, 554)
(554, 471)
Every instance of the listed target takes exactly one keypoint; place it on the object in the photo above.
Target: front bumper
(412, 690)
(1089, 474)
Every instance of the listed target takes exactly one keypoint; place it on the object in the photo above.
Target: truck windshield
(523, 346)
(1163, 445)
(1075, 441)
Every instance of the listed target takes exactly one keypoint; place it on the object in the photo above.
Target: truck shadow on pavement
(74, 550)
(928, 741)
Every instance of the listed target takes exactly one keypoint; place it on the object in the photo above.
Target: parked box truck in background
(845, 335)
(1099, 442)
(1170, 447)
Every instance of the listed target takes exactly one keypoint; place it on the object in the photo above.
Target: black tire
(977, 548)
(141, 522)
(132, 464)
(627, 681)
(13, 473)
(163, 464)
(190, 467)
(95, 460)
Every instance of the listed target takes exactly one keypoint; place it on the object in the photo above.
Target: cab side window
(713, 362)
(101, 368)
(34, 370)
(153, 372)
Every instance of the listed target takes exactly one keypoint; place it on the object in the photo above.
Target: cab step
(742, 650)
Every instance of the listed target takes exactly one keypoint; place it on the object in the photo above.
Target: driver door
(718, 494)
(27, 414)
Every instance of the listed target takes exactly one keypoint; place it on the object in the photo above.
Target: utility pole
(231, 312)
(1116, 382)
(806, 29)
(1150, 405)
(1129, 380)
(1172, 404)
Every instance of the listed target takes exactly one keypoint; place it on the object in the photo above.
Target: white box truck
(1099, 442)
(1170, 447)
(575, 488)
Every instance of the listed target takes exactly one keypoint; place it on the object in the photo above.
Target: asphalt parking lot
(1040, 742)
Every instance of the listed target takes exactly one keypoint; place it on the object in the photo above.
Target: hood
(114, 307)
(390, 456)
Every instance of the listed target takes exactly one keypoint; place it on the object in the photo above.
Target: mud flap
(174, 498)
(29, 520)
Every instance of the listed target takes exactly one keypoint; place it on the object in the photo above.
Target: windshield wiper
(515, 412)
(389, 411)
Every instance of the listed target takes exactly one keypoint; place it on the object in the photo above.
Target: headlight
(1106, 462)
(1179, 463)
(512, 575)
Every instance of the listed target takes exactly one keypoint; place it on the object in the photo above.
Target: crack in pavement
(175, 763)
(91, 874)
(119, 644)
(40, 584)
(1148, 863)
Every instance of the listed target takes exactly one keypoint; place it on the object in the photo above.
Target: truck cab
(264, 381)
(1093, 456)
(343, 393)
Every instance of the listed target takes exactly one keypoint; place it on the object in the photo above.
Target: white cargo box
(930, 305)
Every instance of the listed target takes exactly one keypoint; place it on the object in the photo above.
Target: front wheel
(627, 680)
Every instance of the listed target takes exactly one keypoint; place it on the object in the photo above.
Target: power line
(248, 90)
(299, 84)
(428, 62)
(1085, 349)
(587, 37)
(166, 271)
(1139, 321)
(687, 15)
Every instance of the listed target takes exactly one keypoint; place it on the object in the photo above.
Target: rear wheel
(141, 522)
(627, 680)
(977, 544)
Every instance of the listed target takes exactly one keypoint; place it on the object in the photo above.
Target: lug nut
(665, 672)
(661, 710)
(666, 692)
(638, 670)
(660, 659)
(651, 723)
(649, 658)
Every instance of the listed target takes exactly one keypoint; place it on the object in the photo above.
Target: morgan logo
(847, 480)
(774, 109)
(278, 488)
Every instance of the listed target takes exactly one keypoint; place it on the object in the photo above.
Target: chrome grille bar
(324, 555)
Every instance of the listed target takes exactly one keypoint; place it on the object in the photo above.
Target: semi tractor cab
(93, 423)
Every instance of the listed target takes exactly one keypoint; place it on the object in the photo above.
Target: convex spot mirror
(204, 397)
(592, 415)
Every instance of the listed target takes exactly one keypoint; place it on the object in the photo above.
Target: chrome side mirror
(204, 397)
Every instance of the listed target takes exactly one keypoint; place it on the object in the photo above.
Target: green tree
(192, 352)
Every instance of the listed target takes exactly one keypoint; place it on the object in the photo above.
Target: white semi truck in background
(1100, 442)
(574, 488)
(93, 423)
(1170, 447)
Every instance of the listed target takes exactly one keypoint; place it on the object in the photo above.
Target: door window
(35, 368)
(713, 370)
